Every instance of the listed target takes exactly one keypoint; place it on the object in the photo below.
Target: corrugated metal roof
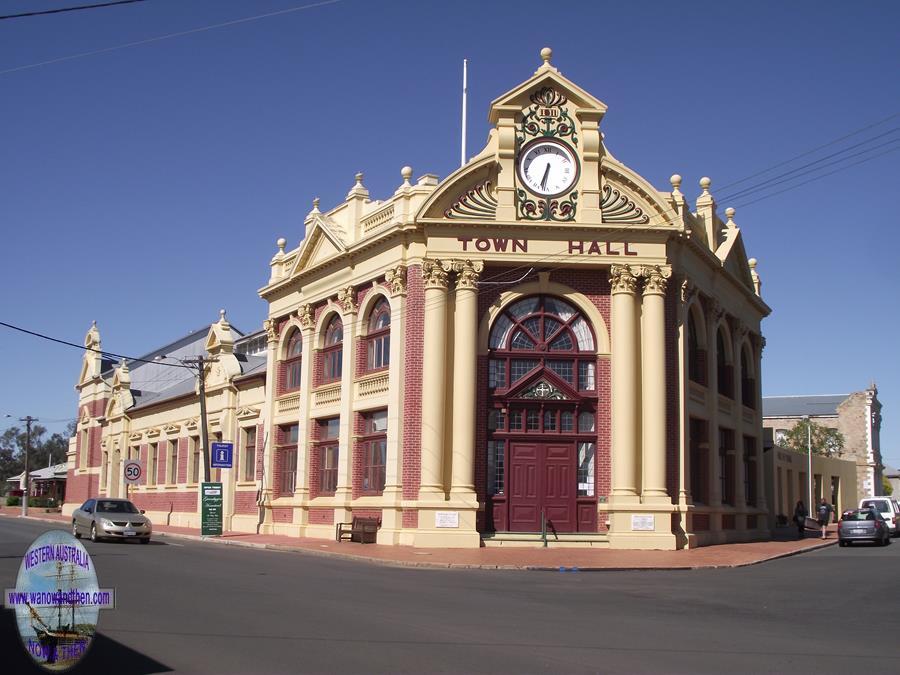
(798, 406)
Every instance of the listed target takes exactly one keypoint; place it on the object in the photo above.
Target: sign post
(222, 454)
(134, 472)
(211, 509)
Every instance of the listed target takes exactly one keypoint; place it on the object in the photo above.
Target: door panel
(559, 486)
(524, 488)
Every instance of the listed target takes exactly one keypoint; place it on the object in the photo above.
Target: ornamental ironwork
(478, 203)
(535, 208)
(618, 208)
(547, 117)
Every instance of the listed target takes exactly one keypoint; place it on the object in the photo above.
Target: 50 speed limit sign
(134, 471)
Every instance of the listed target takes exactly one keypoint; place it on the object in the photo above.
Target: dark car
(111, 519)
(863, 525)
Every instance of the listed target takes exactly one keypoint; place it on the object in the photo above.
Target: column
(396, 279)
(267, 489)
(625, 414)
(301, 487)
(761, 503)
(434, 379)
(465, 329)
(740, 498)
(347, 300)
(713, 316)
(653, 389)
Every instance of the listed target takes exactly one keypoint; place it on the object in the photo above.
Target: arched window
(333, 350)
(748, 382)
(292, 362)
(696, 355)
(379, 339)
(723, 367)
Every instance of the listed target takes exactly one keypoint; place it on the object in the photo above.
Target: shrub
(12, 501)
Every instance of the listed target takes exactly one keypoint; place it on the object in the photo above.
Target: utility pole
(199, 363)
(809, 463)
(28, 420)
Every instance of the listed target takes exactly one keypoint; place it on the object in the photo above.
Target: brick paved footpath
(503, 557)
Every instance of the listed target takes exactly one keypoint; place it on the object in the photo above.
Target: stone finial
(675, 180)
(754, 275)
(359, 177)
(729, 214)
(752, 262)
(222, 318)
(281, 243)
(705, 182)
(315, 208)
(358, 189)
(406, 173)
(546, 55)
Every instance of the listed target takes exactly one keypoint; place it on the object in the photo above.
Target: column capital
(346, 298)
(467, 273)
(306, 317)
(435, 274)
(271, 328)
(656, 278)
(739, 329)
(622, 279)
(716, 311)
(396, 279)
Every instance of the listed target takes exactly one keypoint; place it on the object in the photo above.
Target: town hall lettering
(504, 245)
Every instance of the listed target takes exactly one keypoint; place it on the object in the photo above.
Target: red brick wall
(412, 383)
(245, 501)
(283, 514)
(410, 519)
(321, 516)
(367, 513)
(700, 522)
(177, 502)
(356, 458)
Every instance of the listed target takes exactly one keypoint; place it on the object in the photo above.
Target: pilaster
(625, 412)
(653, 390)
(344, 492)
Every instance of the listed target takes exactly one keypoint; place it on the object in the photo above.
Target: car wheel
(145, 540)
(94, 536)
(842, 544)
(75, 532)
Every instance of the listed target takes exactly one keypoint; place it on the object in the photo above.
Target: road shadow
(104, 656)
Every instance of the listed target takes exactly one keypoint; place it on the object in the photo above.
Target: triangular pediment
(545, 77)
(543, 385)
(734, 257)
(321, 245)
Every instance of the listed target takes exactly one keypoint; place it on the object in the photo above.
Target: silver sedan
(111, 519)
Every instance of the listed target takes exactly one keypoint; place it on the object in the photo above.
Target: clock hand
(544, 179)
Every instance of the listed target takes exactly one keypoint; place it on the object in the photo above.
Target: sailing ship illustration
(61, 644)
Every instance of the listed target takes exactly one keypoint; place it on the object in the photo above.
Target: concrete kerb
(436, 565)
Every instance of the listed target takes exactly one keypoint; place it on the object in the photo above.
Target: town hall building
(542, 345)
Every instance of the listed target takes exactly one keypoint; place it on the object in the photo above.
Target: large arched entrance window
(542, 436)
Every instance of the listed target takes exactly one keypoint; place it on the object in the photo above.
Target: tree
(824, 440)
(886, 488)
(42, 451)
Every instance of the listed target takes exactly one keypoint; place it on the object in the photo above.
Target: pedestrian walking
(800, 514)
(824, 516)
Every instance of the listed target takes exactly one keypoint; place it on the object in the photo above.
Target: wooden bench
(362, 530)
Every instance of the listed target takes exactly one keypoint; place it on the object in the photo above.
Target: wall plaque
(446, 518)
(642, 523)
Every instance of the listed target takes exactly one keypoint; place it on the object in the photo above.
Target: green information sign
(211, 509)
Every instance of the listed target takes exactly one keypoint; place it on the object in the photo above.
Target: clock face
(548, 168)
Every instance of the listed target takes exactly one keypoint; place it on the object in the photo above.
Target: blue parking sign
(221, 455)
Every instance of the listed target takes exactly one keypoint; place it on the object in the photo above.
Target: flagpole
(462, 152)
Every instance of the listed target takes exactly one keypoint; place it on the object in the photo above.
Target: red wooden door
(524, 487)
(559, 486)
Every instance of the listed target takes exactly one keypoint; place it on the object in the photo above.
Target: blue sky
(145, 187)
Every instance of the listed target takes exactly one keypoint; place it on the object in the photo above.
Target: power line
(69, 9)
(169, 35)
(89, 349)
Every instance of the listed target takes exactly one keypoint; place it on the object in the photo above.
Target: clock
(548, 167)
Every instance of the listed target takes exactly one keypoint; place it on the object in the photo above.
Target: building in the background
(541, 341)
(857, 416)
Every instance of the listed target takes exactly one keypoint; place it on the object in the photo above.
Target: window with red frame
(333, 351)
(329, 430)
(289, 438)
(374, 448)
(379, 343)
(292, 362)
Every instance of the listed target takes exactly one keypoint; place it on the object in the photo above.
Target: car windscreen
(859, 515)
(879, 504)
(116, 507)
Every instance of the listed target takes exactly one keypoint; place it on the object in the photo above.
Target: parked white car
(888, 508)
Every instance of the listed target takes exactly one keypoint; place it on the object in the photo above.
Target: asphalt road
(193, 607)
